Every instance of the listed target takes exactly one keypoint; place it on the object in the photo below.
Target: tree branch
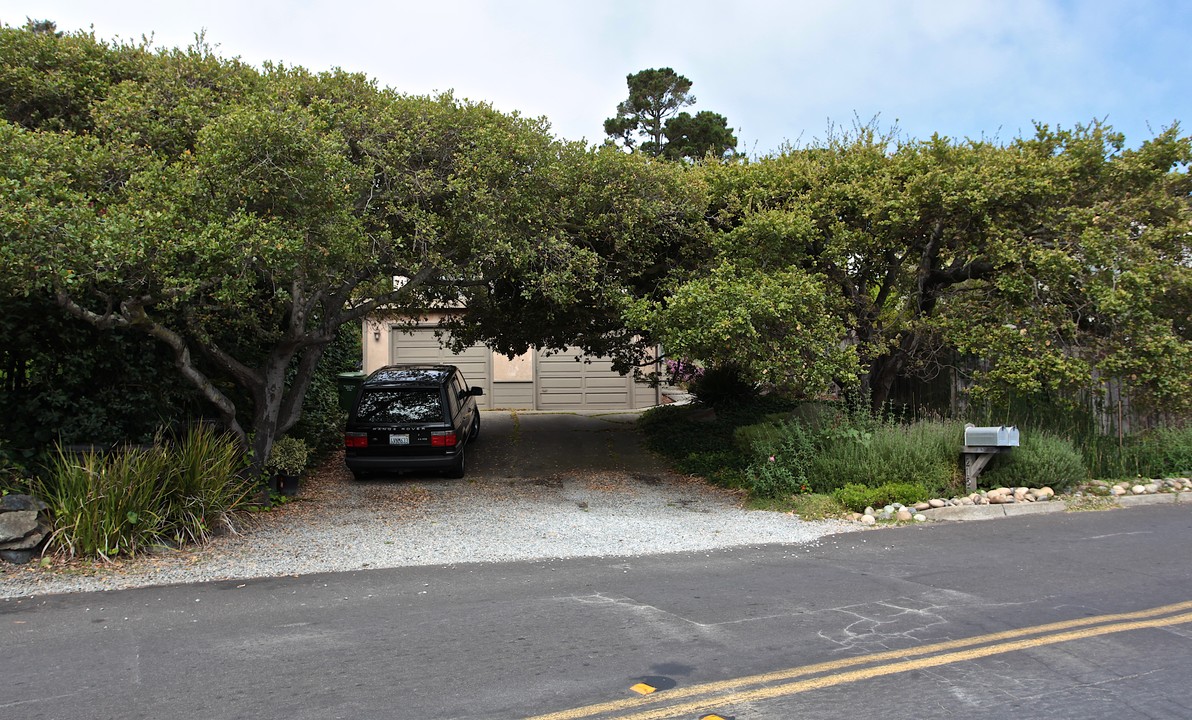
(133, 315)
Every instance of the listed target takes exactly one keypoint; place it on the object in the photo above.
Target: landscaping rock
(1037, 500)
(15, 502)
(17, 557)
(17, 524)
(21, 532)
(29, 541)
(868, 520)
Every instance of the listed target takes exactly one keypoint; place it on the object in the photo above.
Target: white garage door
(567, 384)
(422, 346)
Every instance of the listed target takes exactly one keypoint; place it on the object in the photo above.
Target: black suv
(412, 417)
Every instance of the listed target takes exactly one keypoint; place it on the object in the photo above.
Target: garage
(568, 381)
(564, 381)
(422, 346)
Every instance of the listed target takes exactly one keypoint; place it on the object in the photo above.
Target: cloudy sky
(780, 71)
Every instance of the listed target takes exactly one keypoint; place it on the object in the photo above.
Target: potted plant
(286, 463)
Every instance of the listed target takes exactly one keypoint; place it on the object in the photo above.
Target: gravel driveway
(539, 486)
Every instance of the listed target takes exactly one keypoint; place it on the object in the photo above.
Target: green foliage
(240, 216)
(932, 249)
(322, 423)
(699, 136)
(924, 453)
(785, 471)
(819, 448)
(123, 502)
(651, 116)
(771, 327)
(1042, 460)
(289, 456)
(857, 497)
(106, 506)
(722, 387)
(62, 380)
(655, 95)
(809, 506)
(51, 79)
(807, 448)
(203, 485)
(698, 441)
(1163, 452)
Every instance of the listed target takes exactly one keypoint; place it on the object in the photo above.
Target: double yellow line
(707, 696)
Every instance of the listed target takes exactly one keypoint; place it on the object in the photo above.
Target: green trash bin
(349, 388)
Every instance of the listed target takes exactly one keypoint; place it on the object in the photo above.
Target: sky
(788, 72)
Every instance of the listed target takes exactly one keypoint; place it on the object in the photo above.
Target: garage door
(422, 346)
(567, 384)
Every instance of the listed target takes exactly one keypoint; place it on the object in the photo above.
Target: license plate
(399, 439)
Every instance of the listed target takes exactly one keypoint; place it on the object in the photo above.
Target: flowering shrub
(682, 372)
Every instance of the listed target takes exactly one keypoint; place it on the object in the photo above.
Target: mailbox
(991, 436)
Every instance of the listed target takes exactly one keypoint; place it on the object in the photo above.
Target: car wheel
(476, 426)
(457, 470)
(359, 475)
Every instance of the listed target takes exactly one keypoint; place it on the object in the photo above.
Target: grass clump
(106, 506)
(857, 497)
(1163, 452)
(809, 506)
(777, 451)
(922, 453)
(204, 484)
(109, 504)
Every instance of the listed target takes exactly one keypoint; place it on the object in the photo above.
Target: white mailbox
(991, 436)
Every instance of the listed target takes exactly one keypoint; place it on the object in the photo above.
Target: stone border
(1009, 502)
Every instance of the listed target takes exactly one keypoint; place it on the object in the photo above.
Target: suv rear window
(400, 405)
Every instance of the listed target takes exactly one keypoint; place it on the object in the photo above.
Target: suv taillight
(442, 438)
(356, 440)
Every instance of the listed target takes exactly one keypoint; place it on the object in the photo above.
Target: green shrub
(697, 442)
(782, 457)
(723, 386)
(106, 506)
(857, 497)
(1042, 459)
(322, 423)
(121, 503)
(1164, 452)
(288, 457)
(204, 486)
(926, 453)
(708, 464)
(761, 438)
(63, 380)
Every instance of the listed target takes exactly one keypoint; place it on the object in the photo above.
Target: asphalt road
(1014, 618)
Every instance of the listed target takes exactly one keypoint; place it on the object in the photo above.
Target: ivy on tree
(651, 120)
